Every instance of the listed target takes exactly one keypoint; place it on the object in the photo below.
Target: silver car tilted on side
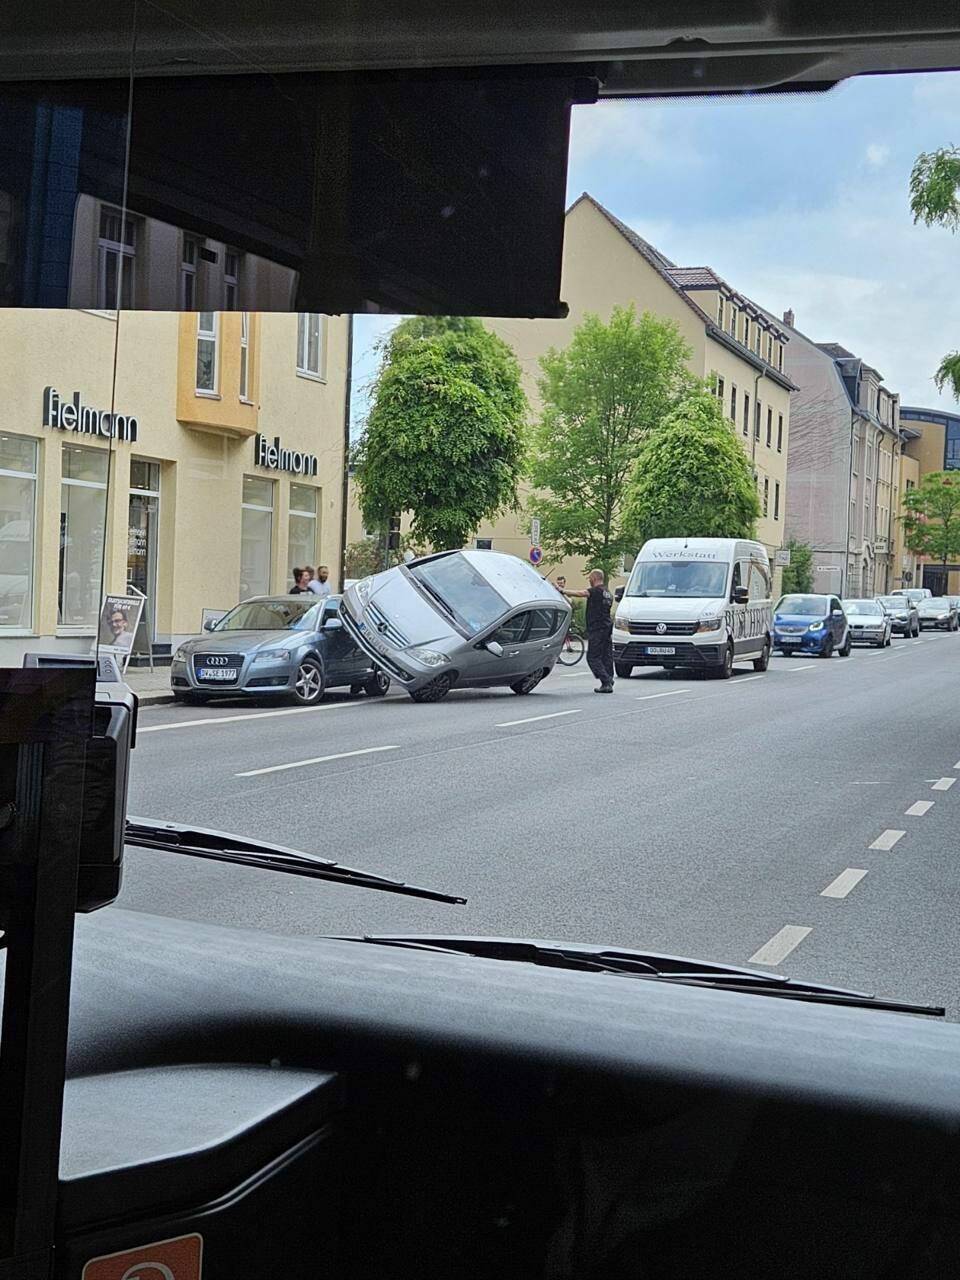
(470, 619)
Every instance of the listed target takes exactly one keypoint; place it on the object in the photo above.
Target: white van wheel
(725, 670)
(761, 663)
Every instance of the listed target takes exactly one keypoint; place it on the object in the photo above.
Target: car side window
(735, 581)
(759, 586)
(513, 630)
(543, 624)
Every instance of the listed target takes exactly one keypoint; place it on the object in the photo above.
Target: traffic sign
(536, 555)
(535, 532)
(782, 557)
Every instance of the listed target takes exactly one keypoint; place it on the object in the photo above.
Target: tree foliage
(798, 574)
(445, 435)
(931, 520)
(935, 200)
(371, 555)
(692, 478)
(602, 395)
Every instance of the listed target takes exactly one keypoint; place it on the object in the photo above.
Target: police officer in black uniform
(599, 629)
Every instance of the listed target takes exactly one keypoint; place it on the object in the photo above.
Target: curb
(154, 699)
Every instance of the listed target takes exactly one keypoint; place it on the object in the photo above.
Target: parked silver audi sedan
(470, 619)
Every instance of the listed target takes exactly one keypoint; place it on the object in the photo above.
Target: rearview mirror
(332, 624)
(618, 594)
(493, 647)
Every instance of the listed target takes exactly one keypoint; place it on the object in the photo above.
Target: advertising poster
(119, 619)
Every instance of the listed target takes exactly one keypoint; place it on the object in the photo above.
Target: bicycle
(572, 649)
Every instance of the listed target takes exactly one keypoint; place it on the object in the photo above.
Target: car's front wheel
(378, 685)
(844, 650)
(309, 683)
(528, 683)
(624, 670)
(827, 649)
(435, 691)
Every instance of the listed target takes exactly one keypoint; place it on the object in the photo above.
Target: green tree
(371, 555)
(931, 520)
(602, 396)
(935, 200)
(445, 435)
(691, 477)
(798, 574)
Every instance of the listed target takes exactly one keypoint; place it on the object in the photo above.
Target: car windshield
(679, 579)
(936, 602)
(461, 591)
(272, 615)
(870, 608)
(803, 606)
(893, 603)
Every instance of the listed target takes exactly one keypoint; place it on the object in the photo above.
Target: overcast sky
(798, 201)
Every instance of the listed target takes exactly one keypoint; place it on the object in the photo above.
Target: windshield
(461, 591)
(870, 608)
(894, 603)
(803, 606)
(679, 579)
(272, 615)
(936, 602)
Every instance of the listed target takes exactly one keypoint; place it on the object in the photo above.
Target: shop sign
(74, 415)
(276, 458)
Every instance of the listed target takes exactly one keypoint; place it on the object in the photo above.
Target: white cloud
(877, 154)
(640, 132)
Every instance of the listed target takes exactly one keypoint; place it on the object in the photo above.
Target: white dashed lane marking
(248, 715)
(780, 945)
(943, 784)
(302, 764)
(508, 724)
(886, 840)
(668, 693)
(844, 882)
(919, 808)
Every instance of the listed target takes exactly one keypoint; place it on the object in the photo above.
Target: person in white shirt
(319, 584)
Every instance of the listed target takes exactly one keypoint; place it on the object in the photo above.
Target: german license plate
(222, 674)
(660, 650)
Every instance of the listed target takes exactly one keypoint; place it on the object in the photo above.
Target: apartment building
(733, 342)
(843, 467)
(932, 443)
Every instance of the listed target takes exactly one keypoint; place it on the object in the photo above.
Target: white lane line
(943, 784)
(780, 945)
(302, 764)
(916, 642)
(737, 680)
(844, 882)
(919, 808)
(249, 715)
(807, 666)
(957, 765)
(886, 840)
(508, 724)
(668, 693)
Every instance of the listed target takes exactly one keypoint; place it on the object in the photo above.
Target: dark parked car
(294, 647)
(811, 624)
(938, 612)
(903, 614)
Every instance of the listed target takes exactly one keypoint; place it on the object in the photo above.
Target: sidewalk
(151, 687)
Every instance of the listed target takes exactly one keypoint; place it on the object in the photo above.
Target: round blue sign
(536, 555)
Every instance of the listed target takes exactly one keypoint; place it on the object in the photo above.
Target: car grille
(688, 655)
(381, 623)
(379, 658)
(669, 628)
(221, 661)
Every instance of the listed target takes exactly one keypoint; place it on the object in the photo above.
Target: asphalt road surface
(804, 820)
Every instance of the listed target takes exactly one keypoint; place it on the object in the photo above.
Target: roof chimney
(788, 318)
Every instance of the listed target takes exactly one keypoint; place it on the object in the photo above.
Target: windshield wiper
(652, 966)
(435, 595)
(221, 846)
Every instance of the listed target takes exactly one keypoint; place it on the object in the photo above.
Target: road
(804, 820)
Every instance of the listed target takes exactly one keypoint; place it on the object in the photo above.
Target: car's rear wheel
(309, 683)
(624, 670)
(761, 663)
(528, 683)
(378, 685)
(435, 691)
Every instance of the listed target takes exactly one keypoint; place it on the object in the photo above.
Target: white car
(869, 622)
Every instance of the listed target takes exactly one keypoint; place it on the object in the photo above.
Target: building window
(117, 260)
(207, 352)
(780, 356)
(188, 273)
(733, 321)
(302, 540)
(83, 503)
(720, 310)
(766, 494)
(769, 427)
(18, 505)
(483, 544)
(746, 331)
(769, 348)
(231, 280)
(244, 355)
(756, 421)
(758, 337)
(746, 413)
(776, 500)
(779, 433)
(733, 402)
(310, 344)
(256, 537)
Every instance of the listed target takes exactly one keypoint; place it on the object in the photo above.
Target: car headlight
(180, 655)
(621, 623)
(710, 624)
(942, 617)
(271, 655)
(815, 626)
(363, 589)
(429, 657)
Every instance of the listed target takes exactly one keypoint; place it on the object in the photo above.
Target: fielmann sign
(74, 415)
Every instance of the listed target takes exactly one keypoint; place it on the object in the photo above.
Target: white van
(695, 602)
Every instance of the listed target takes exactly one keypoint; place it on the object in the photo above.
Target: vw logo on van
(661, 628)
(217, 660)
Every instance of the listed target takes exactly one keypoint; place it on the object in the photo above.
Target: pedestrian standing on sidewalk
(301, 579)
(319, 584)
(599, 629)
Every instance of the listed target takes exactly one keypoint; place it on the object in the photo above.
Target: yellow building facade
(932, 443)
(210, 466)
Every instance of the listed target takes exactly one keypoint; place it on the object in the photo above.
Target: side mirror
(740, 595)
(618, 594)
(209, 625)
(492, 646)
(333, 624)
(838, 613)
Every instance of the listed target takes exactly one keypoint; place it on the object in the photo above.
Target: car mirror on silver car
(492, 646)
(333, 624)
(210, 624)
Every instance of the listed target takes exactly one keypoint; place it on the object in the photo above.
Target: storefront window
(18, 496)
(256, 537)
(82, 512)
(302, 539)
(143, 531)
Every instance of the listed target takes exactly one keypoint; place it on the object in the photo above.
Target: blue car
(811, 624)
